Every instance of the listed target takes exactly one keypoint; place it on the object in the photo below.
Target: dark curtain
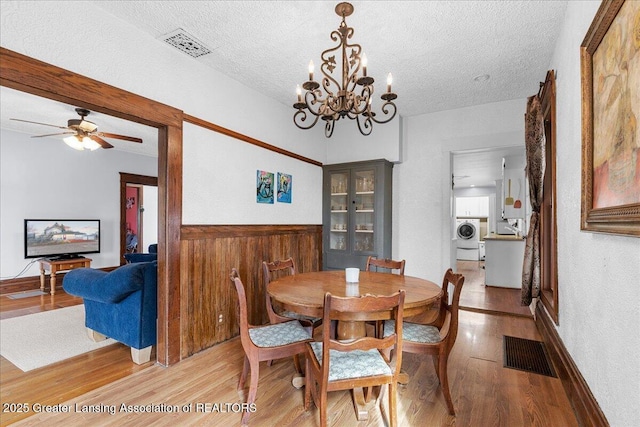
(535, 152)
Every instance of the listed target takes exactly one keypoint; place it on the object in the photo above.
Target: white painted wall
(219, 180)
(348, 145)
(597, 273)
(423, 219)
(126, 58)
(121, 55)
(150, 217)
(43, 178)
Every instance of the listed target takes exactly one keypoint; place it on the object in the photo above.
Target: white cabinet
(475, 207)
(504, 256)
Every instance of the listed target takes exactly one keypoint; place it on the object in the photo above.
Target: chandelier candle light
(340, 99)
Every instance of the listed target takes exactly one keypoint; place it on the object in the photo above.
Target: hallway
(487, 299)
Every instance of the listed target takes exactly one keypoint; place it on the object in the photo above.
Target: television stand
(65, 257)
(56, 265)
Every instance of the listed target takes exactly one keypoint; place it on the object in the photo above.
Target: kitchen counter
(504, 256)
(494, 236)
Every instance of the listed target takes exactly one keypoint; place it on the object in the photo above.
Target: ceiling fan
(83, 133)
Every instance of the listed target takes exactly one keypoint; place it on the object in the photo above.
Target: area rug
(40, 339)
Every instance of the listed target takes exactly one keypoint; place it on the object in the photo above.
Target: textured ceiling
(433, 48)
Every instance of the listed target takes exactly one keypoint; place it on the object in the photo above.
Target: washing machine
(468, 233)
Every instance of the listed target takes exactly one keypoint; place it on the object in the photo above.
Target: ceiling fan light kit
(78, 142)
(84, 134)
(340, 99)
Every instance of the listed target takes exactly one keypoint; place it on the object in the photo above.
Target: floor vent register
(527, 355)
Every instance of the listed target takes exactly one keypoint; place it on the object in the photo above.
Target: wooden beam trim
(584, 404)
(30, 75)
(233, 134)
(195, 232)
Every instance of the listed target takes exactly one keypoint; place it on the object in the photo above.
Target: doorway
(138, 213)
(475, 195)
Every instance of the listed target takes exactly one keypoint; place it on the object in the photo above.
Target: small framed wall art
(284, 187)
(264, 187)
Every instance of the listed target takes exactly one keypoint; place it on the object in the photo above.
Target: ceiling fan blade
(102, 142)
(115, 136)
(38, 123)
(53, 134)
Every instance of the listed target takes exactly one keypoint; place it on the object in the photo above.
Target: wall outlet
(220, 318)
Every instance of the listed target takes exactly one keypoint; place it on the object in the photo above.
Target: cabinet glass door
(364, 210)
(339, 211)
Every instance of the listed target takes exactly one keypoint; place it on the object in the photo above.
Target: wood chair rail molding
(216, 128)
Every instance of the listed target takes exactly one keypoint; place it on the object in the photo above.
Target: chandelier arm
(366, 127)
(363, 99)
(330, 101)
(328, 128)
(311, 98)
(386, 112)
(301, 116)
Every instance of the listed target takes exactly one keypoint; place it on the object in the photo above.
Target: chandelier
(351, 96)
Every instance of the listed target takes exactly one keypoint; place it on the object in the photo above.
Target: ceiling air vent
(186, 43)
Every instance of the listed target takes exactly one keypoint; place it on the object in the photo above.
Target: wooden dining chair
(267, 342)
(361, 362)
(436, 339)
(279, 267)
(383, 265)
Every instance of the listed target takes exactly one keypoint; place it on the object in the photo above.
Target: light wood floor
(484, 392)
(476, 296)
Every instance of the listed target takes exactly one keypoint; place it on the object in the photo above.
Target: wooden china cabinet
(356, 213)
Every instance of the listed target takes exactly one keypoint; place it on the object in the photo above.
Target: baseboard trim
(494, 312)
(22, 284)
(32, 283)
(584, 404)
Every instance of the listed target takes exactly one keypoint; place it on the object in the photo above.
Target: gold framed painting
(610, 77)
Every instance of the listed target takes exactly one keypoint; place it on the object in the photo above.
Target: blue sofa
(143, 257)
(120, 304)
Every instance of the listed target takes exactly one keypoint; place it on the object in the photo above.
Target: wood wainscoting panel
(209, 252)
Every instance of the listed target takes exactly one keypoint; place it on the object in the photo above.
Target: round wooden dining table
(303, 293)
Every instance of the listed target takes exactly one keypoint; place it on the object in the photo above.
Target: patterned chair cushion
(414, 332)
(298, 316)
(279, 334)
(352, 364)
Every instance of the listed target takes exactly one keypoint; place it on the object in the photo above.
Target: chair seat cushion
(279, 334)
(298, 316)
(414, 332)
(352, 364)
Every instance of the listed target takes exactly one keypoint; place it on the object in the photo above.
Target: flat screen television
(61, 238)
